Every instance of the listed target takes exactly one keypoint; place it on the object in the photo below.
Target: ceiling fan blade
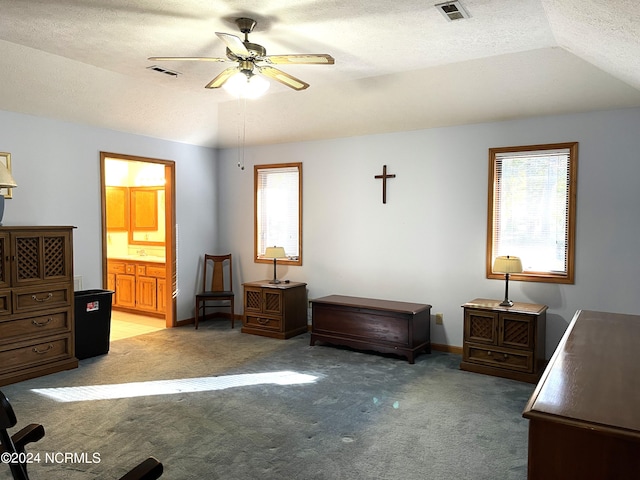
(203, 59)
(222, 78)
(285, 78)
(305, 58)
(234, 44)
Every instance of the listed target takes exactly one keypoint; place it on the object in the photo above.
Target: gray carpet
(364, 416)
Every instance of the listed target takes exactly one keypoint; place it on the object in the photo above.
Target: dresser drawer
(39, 298)
(499, 357)
(265, 323)
(26, 354)
(51, 323)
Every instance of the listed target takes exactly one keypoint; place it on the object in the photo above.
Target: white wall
(57, 168)
(427, 244)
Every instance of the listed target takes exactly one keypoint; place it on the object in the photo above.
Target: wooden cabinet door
(517, 331)
(144, 208)
(481, 326)
(162, 295)
(272, 303)
(252, 300)
(117, 209)
(5, 276)
(146, 293)
(126, 290)
(43, 256)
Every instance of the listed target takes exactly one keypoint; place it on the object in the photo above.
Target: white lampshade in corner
(6, 181)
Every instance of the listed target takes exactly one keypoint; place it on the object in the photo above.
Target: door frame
(170, 226)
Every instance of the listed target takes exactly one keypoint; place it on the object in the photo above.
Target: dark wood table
(584, 415)
(369, 324)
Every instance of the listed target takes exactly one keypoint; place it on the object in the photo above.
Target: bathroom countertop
(139, 258)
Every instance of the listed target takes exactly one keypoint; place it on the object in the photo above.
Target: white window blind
(531, 208)
(278, 209)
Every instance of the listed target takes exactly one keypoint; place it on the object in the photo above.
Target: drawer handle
(49, 297)
(42, 352)
(38, 324)
(263, 321)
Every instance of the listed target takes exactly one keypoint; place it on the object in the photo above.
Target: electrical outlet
(439, 318)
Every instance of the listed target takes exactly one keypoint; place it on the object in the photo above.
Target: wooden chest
(369, 324)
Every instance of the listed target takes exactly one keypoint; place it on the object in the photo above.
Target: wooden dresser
(36, 302)
(584, 415)
(504, 341)
(275, 310)
(370, 324)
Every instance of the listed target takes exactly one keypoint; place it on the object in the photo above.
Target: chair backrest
(214, 278)
(7, 415)
(8, 420)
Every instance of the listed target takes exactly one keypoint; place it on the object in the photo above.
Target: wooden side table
(275, 310)
(504, 341)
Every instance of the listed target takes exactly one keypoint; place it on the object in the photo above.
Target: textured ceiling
(399, 65)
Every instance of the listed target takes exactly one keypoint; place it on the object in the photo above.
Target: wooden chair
(150, 469)
(14, 444)
(216, 286)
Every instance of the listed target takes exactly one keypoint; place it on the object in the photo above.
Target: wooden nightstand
(275, 310)
(504, 341)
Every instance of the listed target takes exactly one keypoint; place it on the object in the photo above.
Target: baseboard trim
(210, 316)
(446, 348)
(440, 347)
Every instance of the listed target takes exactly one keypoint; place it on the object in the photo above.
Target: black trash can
(93, 322)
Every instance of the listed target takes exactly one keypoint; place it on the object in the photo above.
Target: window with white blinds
(278, 210)
(532, 195)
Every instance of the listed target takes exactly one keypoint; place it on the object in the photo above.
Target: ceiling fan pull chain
(242, 127)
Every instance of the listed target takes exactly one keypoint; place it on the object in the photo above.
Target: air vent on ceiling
(452, 10)
(156, 68)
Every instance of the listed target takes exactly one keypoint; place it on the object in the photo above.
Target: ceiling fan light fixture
(248, 86)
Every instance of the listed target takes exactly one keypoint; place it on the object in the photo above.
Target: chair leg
(232, 315)
(197, 311)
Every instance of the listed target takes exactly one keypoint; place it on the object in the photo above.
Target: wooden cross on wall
(384, 177)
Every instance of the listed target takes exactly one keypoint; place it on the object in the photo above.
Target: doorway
(138, 236)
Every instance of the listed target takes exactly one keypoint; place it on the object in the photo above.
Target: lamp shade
(6, 180)
(274, 252)
(507, 264)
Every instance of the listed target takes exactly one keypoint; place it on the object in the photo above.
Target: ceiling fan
(252, 58)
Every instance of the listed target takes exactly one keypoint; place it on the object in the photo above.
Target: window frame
(256, 256)
(531, 276)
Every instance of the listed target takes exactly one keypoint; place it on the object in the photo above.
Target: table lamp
(6, 181)
(275, 253)
(507, 264)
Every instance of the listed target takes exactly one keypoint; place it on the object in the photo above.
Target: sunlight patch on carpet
(168, 387)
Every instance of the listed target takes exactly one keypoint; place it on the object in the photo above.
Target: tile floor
(125, 325)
